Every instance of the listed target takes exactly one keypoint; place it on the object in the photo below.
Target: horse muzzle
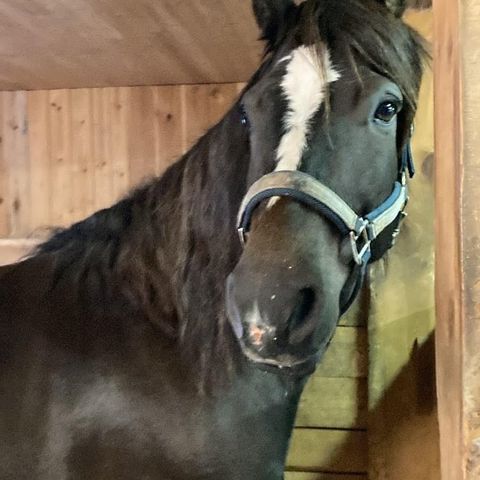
(281, 336)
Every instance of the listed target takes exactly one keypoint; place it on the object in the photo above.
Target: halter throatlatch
(305, 189)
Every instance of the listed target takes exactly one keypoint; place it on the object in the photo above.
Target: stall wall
(68, 153)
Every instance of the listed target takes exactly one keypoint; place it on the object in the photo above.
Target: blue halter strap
(303, 188)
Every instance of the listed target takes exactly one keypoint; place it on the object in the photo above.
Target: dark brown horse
(118, 359)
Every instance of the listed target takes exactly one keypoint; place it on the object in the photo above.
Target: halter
(361, 230)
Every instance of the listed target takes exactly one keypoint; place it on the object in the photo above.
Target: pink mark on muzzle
(256, 335)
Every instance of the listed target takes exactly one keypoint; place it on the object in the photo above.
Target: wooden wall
(457, 120)
(67, 153)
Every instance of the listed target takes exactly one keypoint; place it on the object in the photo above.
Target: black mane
(165, 249)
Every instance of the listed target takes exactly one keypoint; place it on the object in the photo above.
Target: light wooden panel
(67, 153)
(14, 250)
(322, 476)
(334, 403)
(449, 280)
(336, 451)
(47, 44)
(347, 356)
(38, 128)
(15, 164)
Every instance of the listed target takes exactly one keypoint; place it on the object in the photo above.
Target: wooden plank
(4, 174)
(12, 250)
(102, 164)
(83, 197)
(470, 231)
(118, 104)
(16, 158)
(141, 139)
(39, 142)
(347, 355)
(337, 451)
(85, 143)
(60, 157)
(322, 476)
(168, 126)
(449, 286)
(458, 232)
(333, 403)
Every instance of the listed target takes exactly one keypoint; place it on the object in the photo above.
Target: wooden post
(457, 146)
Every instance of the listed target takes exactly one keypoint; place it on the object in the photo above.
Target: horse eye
(387, 111)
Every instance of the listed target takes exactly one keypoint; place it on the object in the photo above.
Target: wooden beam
(449, 281)
(321, 476)
(457, 116)
(12, 250)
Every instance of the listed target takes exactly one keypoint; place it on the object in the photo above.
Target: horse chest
(242, 433)
(118, 431)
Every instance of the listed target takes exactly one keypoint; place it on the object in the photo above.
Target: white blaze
(304, 86)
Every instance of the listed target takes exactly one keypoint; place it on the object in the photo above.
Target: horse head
(329, 116)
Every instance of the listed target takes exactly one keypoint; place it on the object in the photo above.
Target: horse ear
(271, 15)
(397, 7)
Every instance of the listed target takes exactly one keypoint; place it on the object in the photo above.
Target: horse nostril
(303, 306)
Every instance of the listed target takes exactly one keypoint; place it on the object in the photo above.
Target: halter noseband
(305, 189)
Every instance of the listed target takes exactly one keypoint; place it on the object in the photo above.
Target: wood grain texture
(118, 102)
(322, 476)
(4, 173)
(67, 153)
(347, 355)
(449, 286)
(467, 166)
(81, 160)
(141, 139)
(168, 126)
(101, 141)
(39, 138)
(13, 250)
(48, 44)
(15, 158)
(60, 119)
(334, 451)
(334, 403)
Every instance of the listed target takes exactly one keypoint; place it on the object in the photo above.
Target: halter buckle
(362, 255)
(242, 235)
(396, 232)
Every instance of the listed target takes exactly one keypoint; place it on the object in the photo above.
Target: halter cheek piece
(305, 189)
